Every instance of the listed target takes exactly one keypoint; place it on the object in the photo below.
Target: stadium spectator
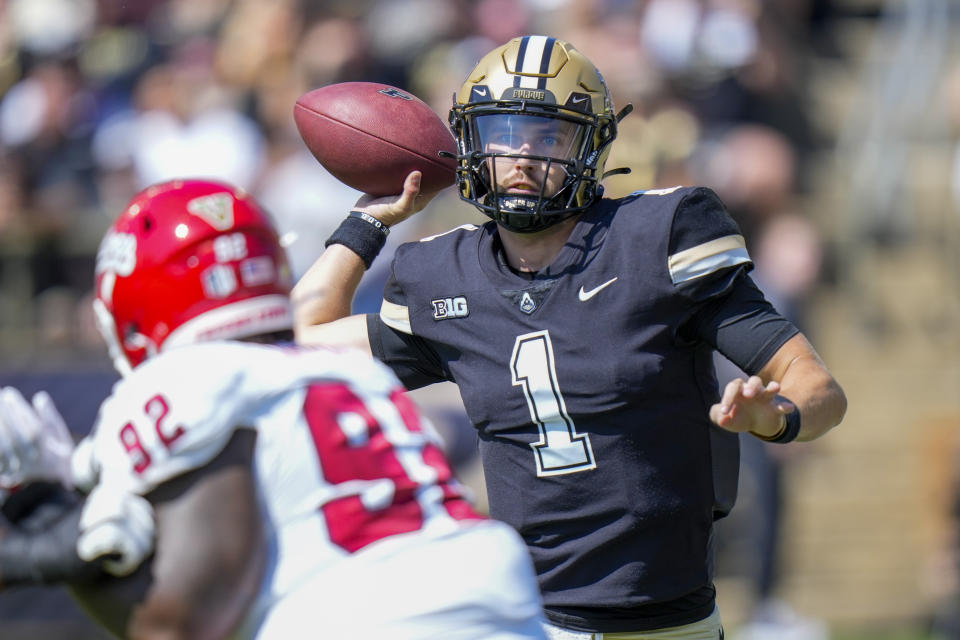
(580, 332)
(183, 122)
(289, 486)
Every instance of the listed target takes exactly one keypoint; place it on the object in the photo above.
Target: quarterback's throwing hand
(391, 210)
(748, 405)
(35, 444)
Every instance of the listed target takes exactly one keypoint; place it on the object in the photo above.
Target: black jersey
(590, 386)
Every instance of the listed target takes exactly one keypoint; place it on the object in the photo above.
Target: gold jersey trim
(396, 317)
(708, 257)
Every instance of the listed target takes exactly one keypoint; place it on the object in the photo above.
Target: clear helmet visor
(527, 135)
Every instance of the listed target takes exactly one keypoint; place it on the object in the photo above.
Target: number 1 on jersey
(561, 449)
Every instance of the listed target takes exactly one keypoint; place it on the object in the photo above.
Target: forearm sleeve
(743, 326)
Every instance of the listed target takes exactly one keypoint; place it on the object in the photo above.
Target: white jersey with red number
(372, 533)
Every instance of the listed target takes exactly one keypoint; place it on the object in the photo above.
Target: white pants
(707, 629)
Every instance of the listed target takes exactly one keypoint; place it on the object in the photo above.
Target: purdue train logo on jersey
(530, 299)
(527, 305)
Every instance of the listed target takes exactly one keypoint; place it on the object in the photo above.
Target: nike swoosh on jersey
(586, 295)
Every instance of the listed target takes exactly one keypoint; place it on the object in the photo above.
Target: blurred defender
(296, 490)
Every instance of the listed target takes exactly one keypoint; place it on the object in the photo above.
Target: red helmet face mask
(189, 261)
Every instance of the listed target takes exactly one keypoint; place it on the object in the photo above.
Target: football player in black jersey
(579, 331)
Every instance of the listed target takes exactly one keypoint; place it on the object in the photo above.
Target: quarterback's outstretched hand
(118, 525)
(35, 444)
(748, 405)
(391, 210)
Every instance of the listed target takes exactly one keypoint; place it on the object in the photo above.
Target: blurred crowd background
(829, 127)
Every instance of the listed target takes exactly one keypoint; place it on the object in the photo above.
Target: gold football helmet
(539, 99)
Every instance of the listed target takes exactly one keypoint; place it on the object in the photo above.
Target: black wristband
(790, 430)
(366, 217)
(361, 233)
(793, 428)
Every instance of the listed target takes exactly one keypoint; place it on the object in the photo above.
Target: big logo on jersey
(446, 308)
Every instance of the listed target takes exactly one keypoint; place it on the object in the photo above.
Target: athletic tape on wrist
(361, 233)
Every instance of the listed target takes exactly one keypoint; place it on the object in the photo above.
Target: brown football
(371, 135)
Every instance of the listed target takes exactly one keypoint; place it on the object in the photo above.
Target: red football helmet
(189, 261)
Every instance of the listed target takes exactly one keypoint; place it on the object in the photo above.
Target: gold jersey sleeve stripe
(396, 317)
(708, 257)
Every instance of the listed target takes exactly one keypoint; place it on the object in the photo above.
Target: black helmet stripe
(545, 62)
(521, 54)
(538, 62)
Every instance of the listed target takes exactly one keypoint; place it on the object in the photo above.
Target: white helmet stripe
(533, 58)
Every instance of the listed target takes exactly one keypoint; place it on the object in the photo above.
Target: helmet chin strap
(520, 215)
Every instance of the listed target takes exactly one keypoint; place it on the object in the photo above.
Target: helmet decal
(230, 247)
(258, 271)
(219, 281)
(117, 253)
(216, 209)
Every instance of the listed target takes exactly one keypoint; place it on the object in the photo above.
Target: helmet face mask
(536, 101)
(188, 261)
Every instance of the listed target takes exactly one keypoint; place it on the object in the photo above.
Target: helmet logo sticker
(257, 271)
(117, 253)
(395, 93)
(215, 209)
(579, 102)
(230, 248)
(219, 281)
